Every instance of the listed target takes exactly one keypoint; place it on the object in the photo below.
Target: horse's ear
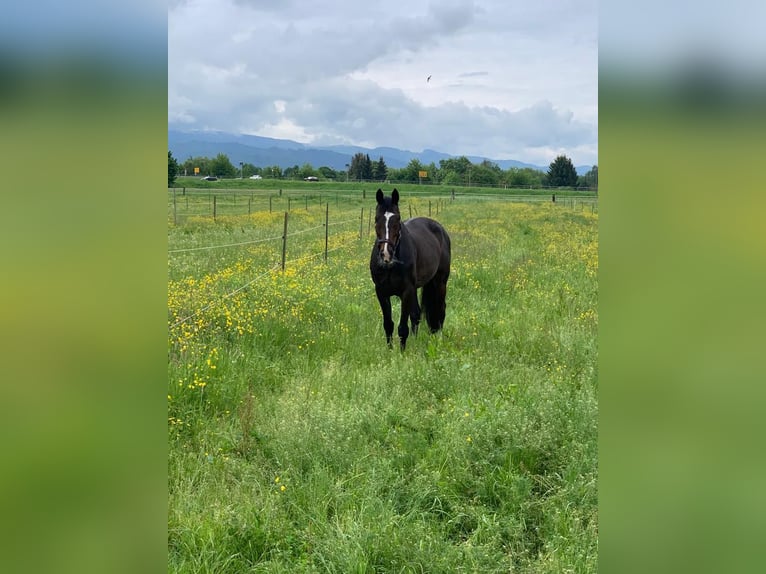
(379, 196)
(395, 196)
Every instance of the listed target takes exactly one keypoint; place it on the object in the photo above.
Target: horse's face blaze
(387, 230)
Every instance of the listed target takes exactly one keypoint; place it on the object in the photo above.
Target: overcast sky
(510, 79)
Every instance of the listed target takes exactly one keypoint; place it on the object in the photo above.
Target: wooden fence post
(214, 198)
(326, 228)
(361, 222)
(284, 243)
(175, 219)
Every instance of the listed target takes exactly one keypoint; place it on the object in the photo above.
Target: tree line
(453, 171)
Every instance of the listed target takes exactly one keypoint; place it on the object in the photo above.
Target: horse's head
(388, 226)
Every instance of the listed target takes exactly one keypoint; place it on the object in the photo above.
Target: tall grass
(300, 443)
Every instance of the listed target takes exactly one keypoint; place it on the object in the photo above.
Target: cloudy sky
(510, 79)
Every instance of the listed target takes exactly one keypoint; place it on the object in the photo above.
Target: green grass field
(298, 442)
(427, 187)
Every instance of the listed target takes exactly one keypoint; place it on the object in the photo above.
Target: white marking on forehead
(388, 215)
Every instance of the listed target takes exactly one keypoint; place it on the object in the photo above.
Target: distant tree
(328, 172)
(486, 173)
(360, 167)
(355, 167)
(454, 170)
(274, 172)
(249, 169)
(459, 165)
(292, 172)
(221, 166)
(524, 177)
(380, 170)
(432, 171)
(172, 169)
(307, 170)
(410, 172)
(395, 174)
(561, 173)
(590, 179)
(367, 172)
(450, 177)
(202, 163)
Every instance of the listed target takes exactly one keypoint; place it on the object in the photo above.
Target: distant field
(226, 198)
(298, 442)
(327, 185)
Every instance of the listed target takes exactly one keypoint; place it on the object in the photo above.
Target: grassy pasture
(300, 443)
(353, 187)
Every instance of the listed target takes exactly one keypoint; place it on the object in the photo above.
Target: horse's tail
(433, 302)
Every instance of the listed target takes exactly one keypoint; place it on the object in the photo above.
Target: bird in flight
(428, 79)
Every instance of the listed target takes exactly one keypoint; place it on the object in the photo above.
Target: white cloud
(508, 81)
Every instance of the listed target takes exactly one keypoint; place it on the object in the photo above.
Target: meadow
(298, 442)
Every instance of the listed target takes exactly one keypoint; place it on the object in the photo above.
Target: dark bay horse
(407, 256)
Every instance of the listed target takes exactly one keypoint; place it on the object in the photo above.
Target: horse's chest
(391, 281)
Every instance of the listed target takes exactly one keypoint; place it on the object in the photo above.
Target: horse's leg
(404, 331)
(415, 313)
(388, 322)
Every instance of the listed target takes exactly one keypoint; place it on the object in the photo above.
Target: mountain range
(263, 151)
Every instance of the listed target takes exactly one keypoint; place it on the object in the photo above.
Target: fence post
(307, 202)
(284, 243)
(289, 201)
(326, 228)
(369, 221)
(249, 205)
(175, 219)
(429, 208)
(184, 192)
(361, 222)
(269, 203)
(214, 198)
(410, 206)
